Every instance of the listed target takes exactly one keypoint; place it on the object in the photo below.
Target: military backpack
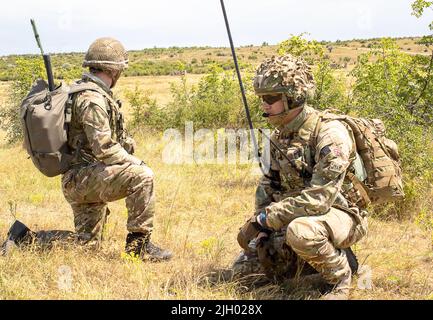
(379, 155)
(45, 117)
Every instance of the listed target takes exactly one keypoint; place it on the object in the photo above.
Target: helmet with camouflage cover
(106, 54)
(286, 75)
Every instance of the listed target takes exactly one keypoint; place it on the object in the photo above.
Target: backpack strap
(313, 137)
(72, 90)
(360, 187)
(357, 184)
(84, 86)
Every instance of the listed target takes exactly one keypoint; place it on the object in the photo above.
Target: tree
(419, 6)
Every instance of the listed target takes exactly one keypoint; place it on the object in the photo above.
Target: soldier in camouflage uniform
(305, 195)
(104, 168)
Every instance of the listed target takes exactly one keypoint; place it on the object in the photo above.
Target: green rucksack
(45, 117)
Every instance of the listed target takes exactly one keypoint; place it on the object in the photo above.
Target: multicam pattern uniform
(103, 170)
(308, 198)
(285, 74)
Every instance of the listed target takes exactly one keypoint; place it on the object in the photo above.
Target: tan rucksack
(45, 117)
(379, 155)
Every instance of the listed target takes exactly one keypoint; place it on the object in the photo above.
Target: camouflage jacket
(96, 130)
(314, 178)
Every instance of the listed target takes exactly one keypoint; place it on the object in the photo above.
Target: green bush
(397, 88)
(214, 103)
(27, 70)
(145, 110)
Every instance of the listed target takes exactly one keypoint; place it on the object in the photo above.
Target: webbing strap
(313, 136)
(359, 186)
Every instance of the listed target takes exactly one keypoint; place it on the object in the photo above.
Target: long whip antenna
(244, 97)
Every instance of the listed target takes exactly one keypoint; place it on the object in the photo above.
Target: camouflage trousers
(317, 240)
(88, 189)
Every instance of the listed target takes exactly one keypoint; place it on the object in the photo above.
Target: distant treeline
(146, 62)
(172, 60)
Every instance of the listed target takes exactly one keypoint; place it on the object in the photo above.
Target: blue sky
(67, 26)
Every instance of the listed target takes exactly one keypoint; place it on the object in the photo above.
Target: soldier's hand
(262, 220)
(261, 238)
(249, 231)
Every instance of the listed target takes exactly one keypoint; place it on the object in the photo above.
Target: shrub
(214, 103)
(26, 72)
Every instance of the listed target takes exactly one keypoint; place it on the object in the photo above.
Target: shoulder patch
(336, 137)
(325, 151)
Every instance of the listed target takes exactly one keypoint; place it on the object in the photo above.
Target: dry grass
(157, 87)
(199, 210)
(254, 54)
(197, 217)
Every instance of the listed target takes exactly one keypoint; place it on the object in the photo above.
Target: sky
(70, 26)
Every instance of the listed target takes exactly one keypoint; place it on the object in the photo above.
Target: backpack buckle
(68, 115)
(68, 110)
(47, 104)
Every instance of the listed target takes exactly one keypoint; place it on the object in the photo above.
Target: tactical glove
(249, 231)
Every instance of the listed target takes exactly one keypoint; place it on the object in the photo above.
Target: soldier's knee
(303, 232)
(142, 175)
(146, 173)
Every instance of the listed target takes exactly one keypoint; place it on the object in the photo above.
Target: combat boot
(18, 235)
(139, 244)
(340, 291)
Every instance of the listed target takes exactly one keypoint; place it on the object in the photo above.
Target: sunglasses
(271, 99)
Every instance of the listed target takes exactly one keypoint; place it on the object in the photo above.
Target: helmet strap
(115, 75)
(292, 105)
(286, 103)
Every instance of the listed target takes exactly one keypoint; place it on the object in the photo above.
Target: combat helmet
(106, 54)
(287, 75)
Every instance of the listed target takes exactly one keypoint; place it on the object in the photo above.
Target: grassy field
(158, 87)
(199, 211)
